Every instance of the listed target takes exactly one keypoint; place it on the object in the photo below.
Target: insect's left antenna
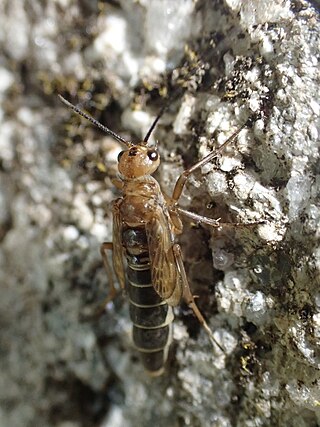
(95, 122)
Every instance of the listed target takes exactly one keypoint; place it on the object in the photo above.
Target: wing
(117, 245)
(164, 273)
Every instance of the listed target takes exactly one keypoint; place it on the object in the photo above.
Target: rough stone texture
(257, 286)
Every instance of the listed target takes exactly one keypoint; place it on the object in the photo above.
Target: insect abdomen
(150, 315)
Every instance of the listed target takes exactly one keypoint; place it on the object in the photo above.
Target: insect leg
(116, 249)
(113, 291)
(98, 311)
(200, 219)
(188, 297)
(184, 176)
(105, 246)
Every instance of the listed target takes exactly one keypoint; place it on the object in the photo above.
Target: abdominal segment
(151, 316)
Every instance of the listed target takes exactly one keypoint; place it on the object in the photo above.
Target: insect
(145, 224)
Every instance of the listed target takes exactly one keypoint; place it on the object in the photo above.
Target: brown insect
(145, 223)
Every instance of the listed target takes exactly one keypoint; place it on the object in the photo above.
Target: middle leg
(94, 313)
(200, 219)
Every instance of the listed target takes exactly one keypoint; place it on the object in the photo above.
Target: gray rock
(257, 285)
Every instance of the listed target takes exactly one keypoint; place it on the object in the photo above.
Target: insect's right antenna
(163, 109)
(145, 139)
(95, 122)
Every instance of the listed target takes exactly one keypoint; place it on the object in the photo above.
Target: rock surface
(258, 286)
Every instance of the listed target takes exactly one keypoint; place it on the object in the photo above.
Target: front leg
(184, 176)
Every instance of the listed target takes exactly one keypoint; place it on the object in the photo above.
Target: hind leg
(189, 298)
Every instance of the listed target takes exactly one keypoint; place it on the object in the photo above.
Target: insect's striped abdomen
(150, 315)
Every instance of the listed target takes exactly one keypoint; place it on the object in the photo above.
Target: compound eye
(153, 155)
(120, 155)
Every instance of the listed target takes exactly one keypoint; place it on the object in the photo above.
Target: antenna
(145, 139)
(163, 109)
(95, 122)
